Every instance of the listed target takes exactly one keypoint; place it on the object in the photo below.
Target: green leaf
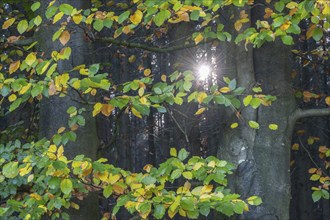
(66, 9)
(204, 210)
(183, 154)
(247, 100)
(287, 40)
(325, 194)
(37, 89)
(160, 18)
(15, 104)
(98, 25)
(51, 11)
(35, 6)
(3, 211)
(194, 16)
(255, 103)
(187, 203)
(37, 20)
(316, 195)
(317, 34)
(176, 174)
(147, 180)
(123, 16)
(159, 211)
(239, 207)
(66, 186)
(10, 170)
(254, 124)
(107, 191)
(279, 6)
(22, 26)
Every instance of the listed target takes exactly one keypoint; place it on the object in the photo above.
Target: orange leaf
(107, 109)
(14, 66)
(8, 23)
(65, 37)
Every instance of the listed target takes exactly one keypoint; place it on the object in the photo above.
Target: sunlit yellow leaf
(200, 111)
(201, 96)
(141, 91)
(36, 196)
(147, 72)
(234, 125)
(224, 89)
(60, 151)
(57, 17)
(97, 109)
(12, 98)
(30, 59)
(8, 23)
(136, 113)
(132, 59)
(25, 89)
(136, 18)
(60, 130)
(273, 127)
(198, 38)
(77, 18)
(113, 178)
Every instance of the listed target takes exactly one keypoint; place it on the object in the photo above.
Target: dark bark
(53, 110)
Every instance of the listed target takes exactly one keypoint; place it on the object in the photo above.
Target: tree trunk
(53, 113)
(262, 155)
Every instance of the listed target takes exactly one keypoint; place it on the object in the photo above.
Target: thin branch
(23, 42)
(110, 40)
(299, 113)
(178, 125)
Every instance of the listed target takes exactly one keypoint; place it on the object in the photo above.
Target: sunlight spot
(203, 72)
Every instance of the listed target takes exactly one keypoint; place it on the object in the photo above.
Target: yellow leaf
(285, 26)
(97, 109)
(12, 98)
(25, 170)
(295, 147)
(147, 72)
(211, 164)
(14, 66)
(200, 111)
(65, 37)
(104, 176)
(132, 59)
(25, 89)
(60, 151)
(126, 29)
(201, 96)
(57, 17)
(198, 38)
(77, 18)
(83, 72)
(74, 205)
(327, 100)
(224, 89)
(144, 101)
(141, 91)
(234, 125)
(136, 18)
(238, 25)
(30, 59)
(206, 189)
(36, 196)
(113, 178)
(163, 78)
(8, 23)
(107, 109)
(60, 130)
(273, 127)
(136, 113)
(52, 148)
